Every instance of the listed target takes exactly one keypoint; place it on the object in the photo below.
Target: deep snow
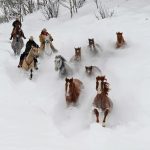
(33, 114)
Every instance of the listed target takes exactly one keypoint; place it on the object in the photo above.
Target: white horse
(61, 66)
(17, 44)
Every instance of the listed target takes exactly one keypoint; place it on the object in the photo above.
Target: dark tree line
(50, 8)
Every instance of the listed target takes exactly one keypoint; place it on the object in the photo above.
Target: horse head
(119, 36)
(88, 69)
(91, 42)
(78, 52)
(34, 51)
(99, 83)
(59, 61)
(69, 86)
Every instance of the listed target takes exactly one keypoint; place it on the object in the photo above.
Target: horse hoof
(97, 121)
(103, 124)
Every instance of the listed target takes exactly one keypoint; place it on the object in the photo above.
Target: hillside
(33, 114)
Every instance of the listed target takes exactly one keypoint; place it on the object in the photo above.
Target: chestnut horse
(120, 40)
(28, 62)
(102, 101)
(72, 90)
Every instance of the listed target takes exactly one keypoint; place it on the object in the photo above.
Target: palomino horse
(48, 46)
(102, 101)
(17, 42)
(72, 90)
(28, 62)
(62, 66)
(120, 40)
(77, 56)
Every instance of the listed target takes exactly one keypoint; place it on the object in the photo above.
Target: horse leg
(31, 74)
(105, 115)
(35, 64)
(97, 115)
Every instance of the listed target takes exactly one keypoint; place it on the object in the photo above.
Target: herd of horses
(73, 87)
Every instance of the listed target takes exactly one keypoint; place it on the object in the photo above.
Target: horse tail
(31, 74)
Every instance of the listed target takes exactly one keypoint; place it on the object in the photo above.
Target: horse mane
(105, 88)
(59, 56)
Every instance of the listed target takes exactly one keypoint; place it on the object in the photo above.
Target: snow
(33, 114)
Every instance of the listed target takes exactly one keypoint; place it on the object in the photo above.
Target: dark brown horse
(91, 43)
(102, 101)
(120, 40)
(72, 90)
(90, 70)
(78, 54)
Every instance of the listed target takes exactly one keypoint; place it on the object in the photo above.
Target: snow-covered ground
(33, 114)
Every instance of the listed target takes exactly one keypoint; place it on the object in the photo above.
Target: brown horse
(72, 90)
(102, 101)
(78, 54)
(120, 40)
(28, 62)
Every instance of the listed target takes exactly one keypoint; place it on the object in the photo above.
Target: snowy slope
(33, 114)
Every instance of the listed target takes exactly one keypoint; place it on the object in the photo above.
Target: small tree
(50, 9)
(103, 11)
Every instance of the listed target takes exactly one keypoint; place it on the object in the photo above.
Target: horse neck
(30, 57)
(62, 66)
(119, 39)
(74, 93)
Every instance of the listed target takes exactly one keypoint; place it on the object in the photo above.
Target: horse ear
(66, 79)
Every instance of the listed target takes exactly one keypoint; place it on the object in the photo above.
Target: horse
(17, 42)
(91, 70)
(48, 47)
(62, 67)
(93, 47)
(72, 90)
(102, 101)
(77, 56)
(28, 62)
(120, 40)
(91, 43)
